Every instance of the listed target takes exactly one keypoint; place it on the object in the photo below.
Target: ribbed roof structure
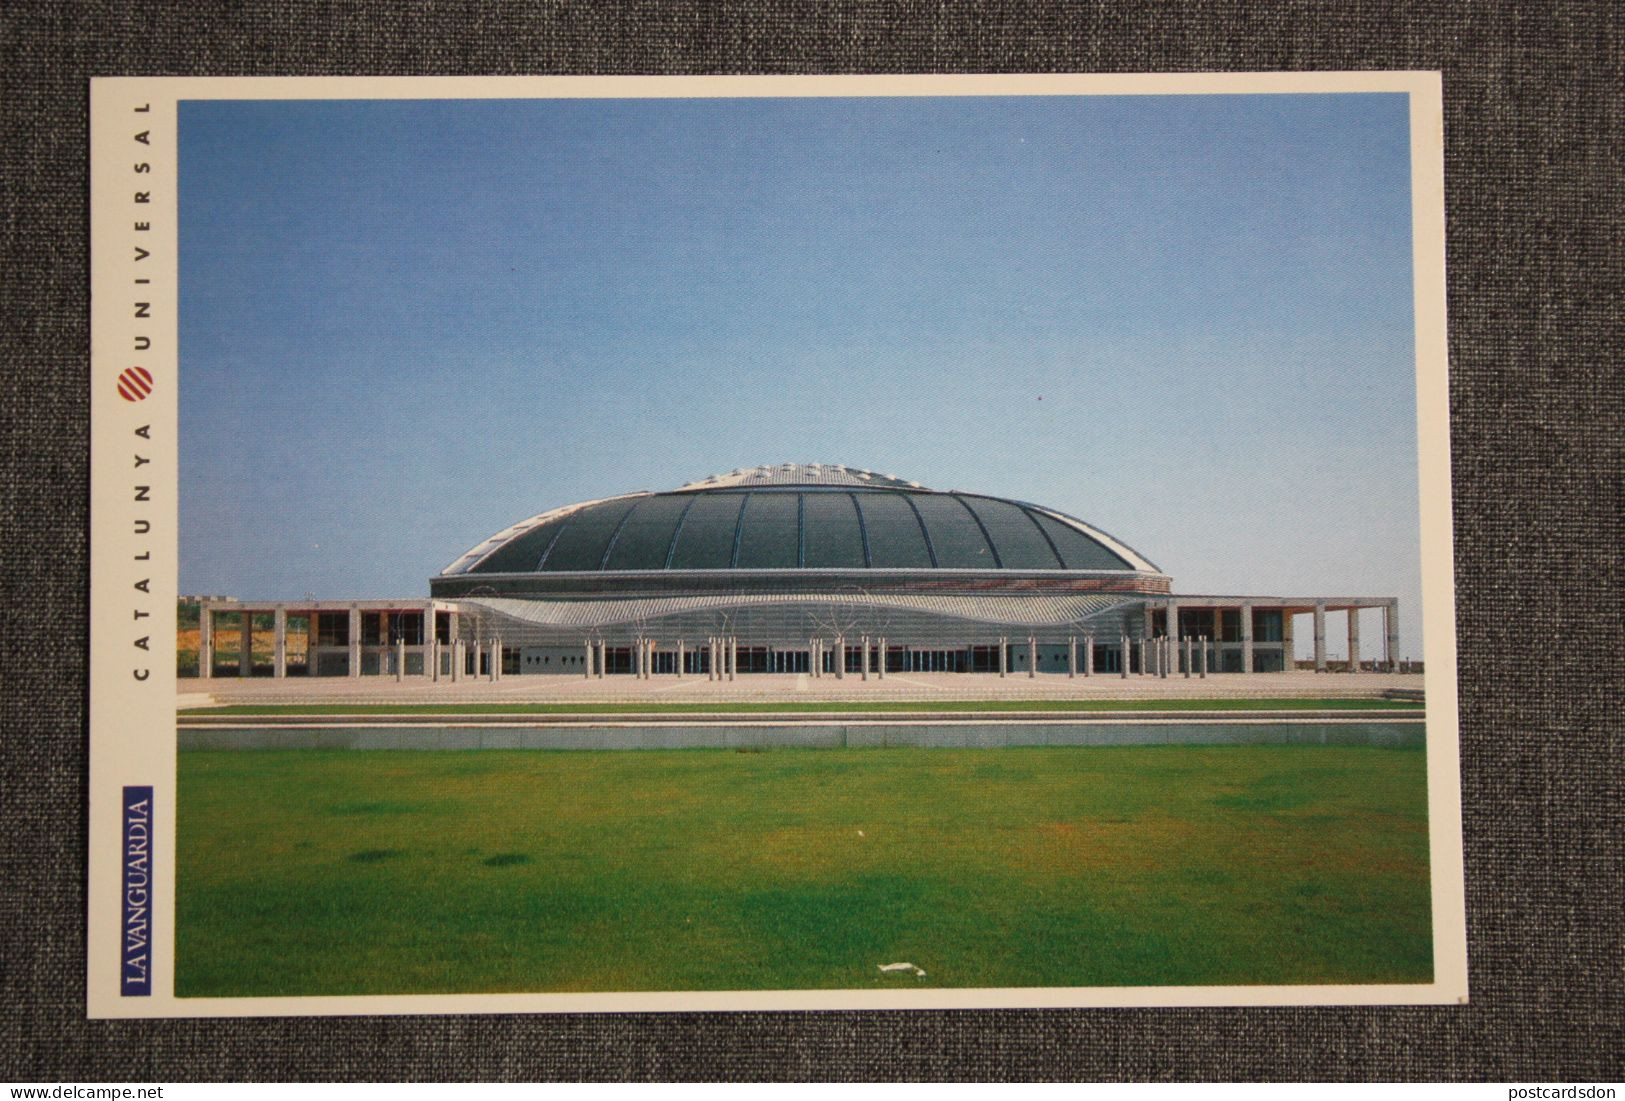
(799, 517)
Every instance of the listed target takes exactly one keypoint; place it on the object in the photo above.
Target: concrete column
(355, 642)
(1201, 645)
(1246, 638)
(1354, 640)
(205, 641)
(496, 659)
(1165, 657)
(1088, 655)
(840, 657)
(1148, 655)
(431, 659)
(245, 660)
(682, 651)
(1071, 657)
(733, 656)
(428, 643)
(1004, 656)
(1390, 632)
(1145, 643)
(603, 658)
(586, 653)
(1288, 647)
(1124, 659)
(1173, 626)
(1032, 656)
(1187, 657)
(400, 658)
(479, 652)
(456, 660)
(1320, 636)
(881, 671)
(863, 660)
(279, 659)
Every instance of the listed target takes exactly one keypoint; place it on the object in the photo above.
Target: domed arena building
(813, 569)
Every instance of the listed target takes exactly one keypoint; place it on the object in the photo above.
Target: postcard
(578, 544)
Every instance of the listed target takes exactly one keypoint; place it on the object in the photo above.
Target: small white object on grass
(903, 967)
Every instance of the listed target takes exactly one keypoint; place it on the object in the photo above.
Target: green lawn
(335, 872)
(654, 707)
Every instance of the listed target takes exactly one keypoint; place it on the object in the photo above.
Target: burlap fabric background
(1533, 121)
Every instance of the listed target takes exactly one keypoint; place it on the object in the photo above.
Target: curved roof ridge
(798, 474)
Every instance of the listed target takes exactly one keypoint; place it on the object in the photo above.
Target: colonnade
(1157, 641)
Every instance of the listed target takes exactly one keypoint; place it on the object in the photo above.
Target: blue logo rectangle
(135, 932)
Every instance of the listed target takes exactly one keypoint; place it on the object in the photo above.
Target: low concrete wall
(805, 735)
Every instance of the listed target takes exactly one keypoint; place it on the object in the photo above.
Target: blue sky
(1188, 320)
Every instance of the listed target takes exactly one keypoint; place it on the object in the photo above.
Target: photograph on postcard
(803, 546)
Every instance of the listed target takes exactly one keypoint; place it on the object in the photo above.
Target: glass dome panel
(955, 535)
(895, 539)
(770, 534)
(1021, 545)
(581, 544)
(645, 538)
(830, 535)
(706, 539)
(1078, 551)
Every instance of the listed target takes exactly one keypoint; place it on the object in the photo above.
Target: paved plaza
(787, 688)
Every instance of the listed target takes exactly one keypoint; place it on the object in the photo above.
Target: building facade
(801, 568)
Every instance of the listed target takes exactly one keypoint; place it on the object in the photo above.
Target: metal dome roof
(800, 474)
(798, 516)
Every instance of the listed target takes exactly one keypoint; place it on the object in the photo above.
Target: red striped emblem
(135, 383)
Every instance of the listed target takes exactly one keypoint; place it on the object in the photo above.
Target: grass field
(653, 707)
(314, 872)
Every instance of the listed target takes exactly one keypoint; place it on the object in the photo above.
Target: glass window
(1266, 625)
(332, 628)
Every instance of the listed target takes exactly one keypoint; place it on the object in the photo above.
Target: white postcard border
(134, 541)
